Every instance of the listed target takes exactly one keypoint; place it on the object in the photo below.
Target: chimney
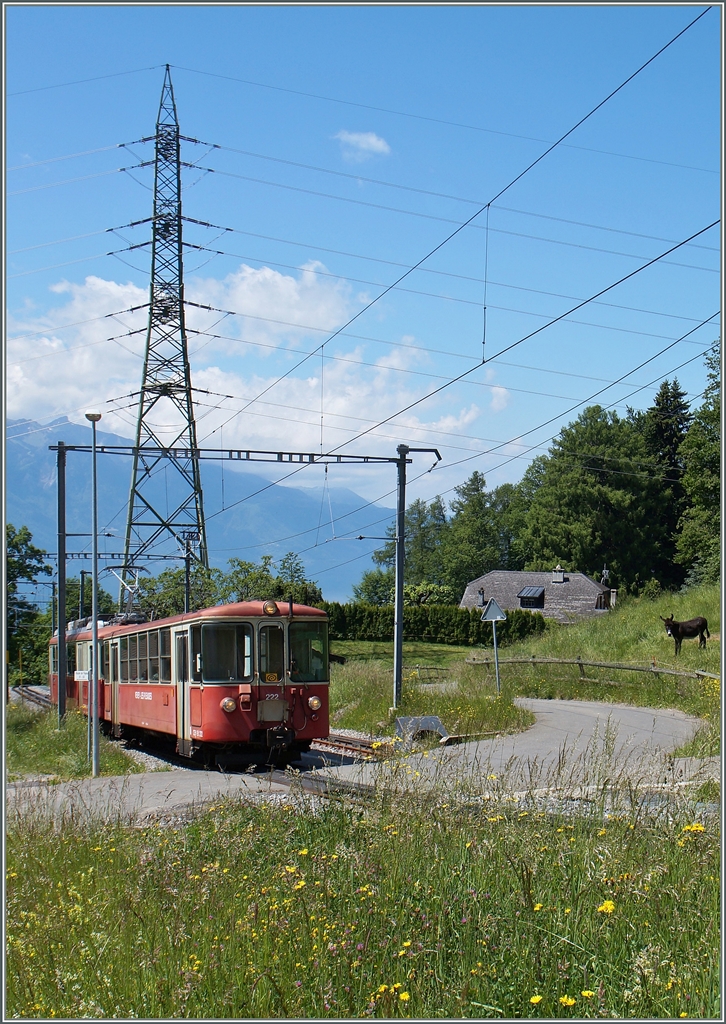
(613, 597)
(558, 574)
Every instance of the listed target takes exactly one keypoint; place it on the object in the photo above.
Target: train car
(245, 682)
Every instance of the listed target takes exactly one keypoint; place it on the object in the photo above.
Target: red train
(244, 682)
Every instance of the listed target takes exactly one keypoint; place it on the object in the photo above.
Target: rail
(653, 669)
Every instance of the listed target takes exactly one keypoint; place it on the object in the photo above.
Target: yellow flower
(383, 988)
(568, 910)
(567, 1000)
(587, 993)
(535, 999)
(538, 906)
(404, 997)
(290, 868)
(697, 827)
(303, 852)
(606, 908)
(407, 943)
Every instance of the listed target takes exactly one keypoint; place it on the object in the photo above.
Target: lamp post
(94, 417)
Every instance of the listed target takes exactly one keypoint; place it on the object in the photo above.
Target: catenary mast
(166, 387)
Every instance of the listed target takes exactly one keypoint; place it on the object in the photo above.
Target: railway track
(347, 746)
(33, 695)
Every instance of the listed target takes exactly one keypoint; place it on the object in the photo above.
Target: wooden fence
(653, 669)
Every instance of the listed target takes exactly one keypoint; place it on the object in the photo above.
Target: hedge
(434, 623)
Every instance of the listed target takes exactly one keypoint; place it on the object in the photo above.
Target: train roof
(238, 610)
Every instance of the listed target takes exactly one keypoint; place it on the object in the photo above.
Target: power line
(423, 270)
(429, 192)
(84, 177)
(406, 291)
(84, 81)
(435, 120)
(83, 259)
(430, 216)
(550, 323)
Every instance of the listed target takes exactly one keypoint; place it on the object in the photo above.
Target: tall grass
(409, 906)
(34, 745)
(361, 693)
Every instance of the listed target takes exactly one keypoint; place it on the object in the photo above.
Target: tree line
(638, 493)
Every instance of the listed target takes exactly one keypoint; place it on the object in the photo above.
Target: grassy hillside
(632, 633)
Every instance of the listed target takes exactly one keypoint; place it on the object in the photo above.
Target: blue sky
(444, 104)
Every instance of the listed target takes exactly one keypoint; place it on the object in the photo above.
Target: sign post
(494, 614)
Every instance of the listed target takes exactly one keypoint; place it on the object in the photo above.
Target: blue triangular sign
(492, 612)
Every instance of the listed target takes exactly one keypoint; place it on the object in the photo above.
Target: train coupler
(280, 736)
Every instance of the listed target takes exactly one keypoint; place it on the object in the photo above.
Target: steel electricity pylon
(166, 386)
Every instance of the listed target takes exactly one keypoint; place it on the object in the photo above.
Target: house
(560, 595)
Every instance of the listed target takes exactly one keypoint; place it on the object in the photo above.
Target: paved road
(572, 744)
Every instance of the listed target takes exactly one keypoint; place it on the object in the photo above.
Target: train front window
(272, 654)
(226, 653)
(309, 652)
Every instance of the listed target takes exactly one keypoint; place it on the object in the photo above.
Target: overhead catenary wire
(428, 192)
(550, 323)
(423, 270)
(422, 117)
(407, 291)
(503, 443)
(508, 186)
(430, 216)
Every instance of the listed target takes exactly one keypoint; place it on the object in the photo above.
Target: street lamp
(94, 417)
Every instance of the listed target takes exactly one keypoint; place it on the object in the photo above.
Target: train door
(181, 680)
(112, 687)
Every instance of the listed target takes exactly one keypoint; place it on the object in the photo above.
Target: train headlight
(228, 704)
(315, 703)
(270, 608)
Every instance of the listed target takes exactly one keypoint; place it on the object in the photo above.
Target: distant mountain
(270, 523)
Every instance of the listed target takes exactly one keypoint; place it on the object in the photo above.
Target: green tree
(376, 587)
(664, 427)
(596, 501)
(698, 543)
(24, 564)
(424, 526)
(480, 536)
(163, 595)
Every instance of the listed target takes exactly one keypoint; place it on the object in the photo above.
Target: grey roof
(575, 598)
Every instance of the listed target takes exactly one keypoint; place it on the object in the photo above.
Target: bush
(434, 623)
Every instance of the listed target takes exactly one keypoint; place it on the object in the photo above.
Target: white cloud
(360, 146)
(500, 398)
(53, 372)
(274, 306)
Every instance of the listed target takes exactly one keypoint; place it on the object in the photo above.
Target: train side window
(197, 654)
(54, 659)
(71, 658)
(153, 656)
(165, 646)
(272, 653)
(124, 644)
(143, 655)
(133, 658)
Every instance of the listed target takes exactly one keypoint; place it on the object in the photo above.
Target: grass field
(34, 745)
(632, 633)
(443, 907)
(462, 902)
